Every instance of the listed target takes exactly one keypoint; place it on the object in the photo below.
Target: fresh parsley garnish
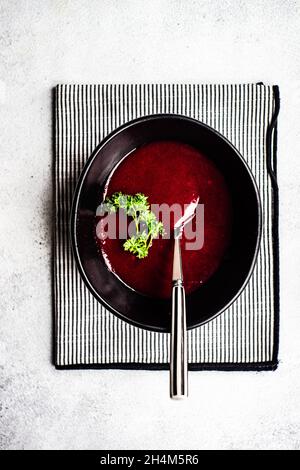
(147, 227)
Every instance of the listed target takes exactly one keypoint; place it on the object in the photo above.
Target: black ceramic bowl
(227, 283)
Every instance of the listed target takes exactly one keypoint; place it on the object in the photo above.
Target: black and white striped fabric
(245, 336)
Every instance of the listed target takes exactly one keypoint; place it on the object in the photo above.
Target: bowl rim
(76, 198)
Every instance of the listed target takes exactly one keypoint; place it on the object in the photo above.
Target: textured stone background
(46, 42)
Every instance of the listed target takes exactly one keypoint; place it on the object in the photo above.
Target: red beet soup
(171, 173)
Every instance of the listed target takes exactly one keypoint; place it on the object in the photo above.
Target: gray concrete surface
(45, 42)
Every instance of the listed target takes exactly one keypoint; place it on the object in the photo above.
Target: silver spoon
(178, 363)
(179, 360)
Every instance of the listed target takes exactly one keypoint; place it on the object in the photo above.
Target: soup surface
(171, 173)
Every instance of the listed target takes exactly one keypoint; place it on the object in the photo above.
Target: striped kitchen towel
(243, 337)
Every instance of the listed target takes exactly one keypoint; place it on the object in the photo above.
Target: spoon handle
(179, 363)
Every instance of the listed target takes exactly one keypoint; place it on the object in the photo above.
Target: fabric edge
(272, 137)
(251, 367)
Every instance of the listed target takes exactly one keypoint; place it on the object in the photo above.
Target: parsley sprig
(147, 227)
